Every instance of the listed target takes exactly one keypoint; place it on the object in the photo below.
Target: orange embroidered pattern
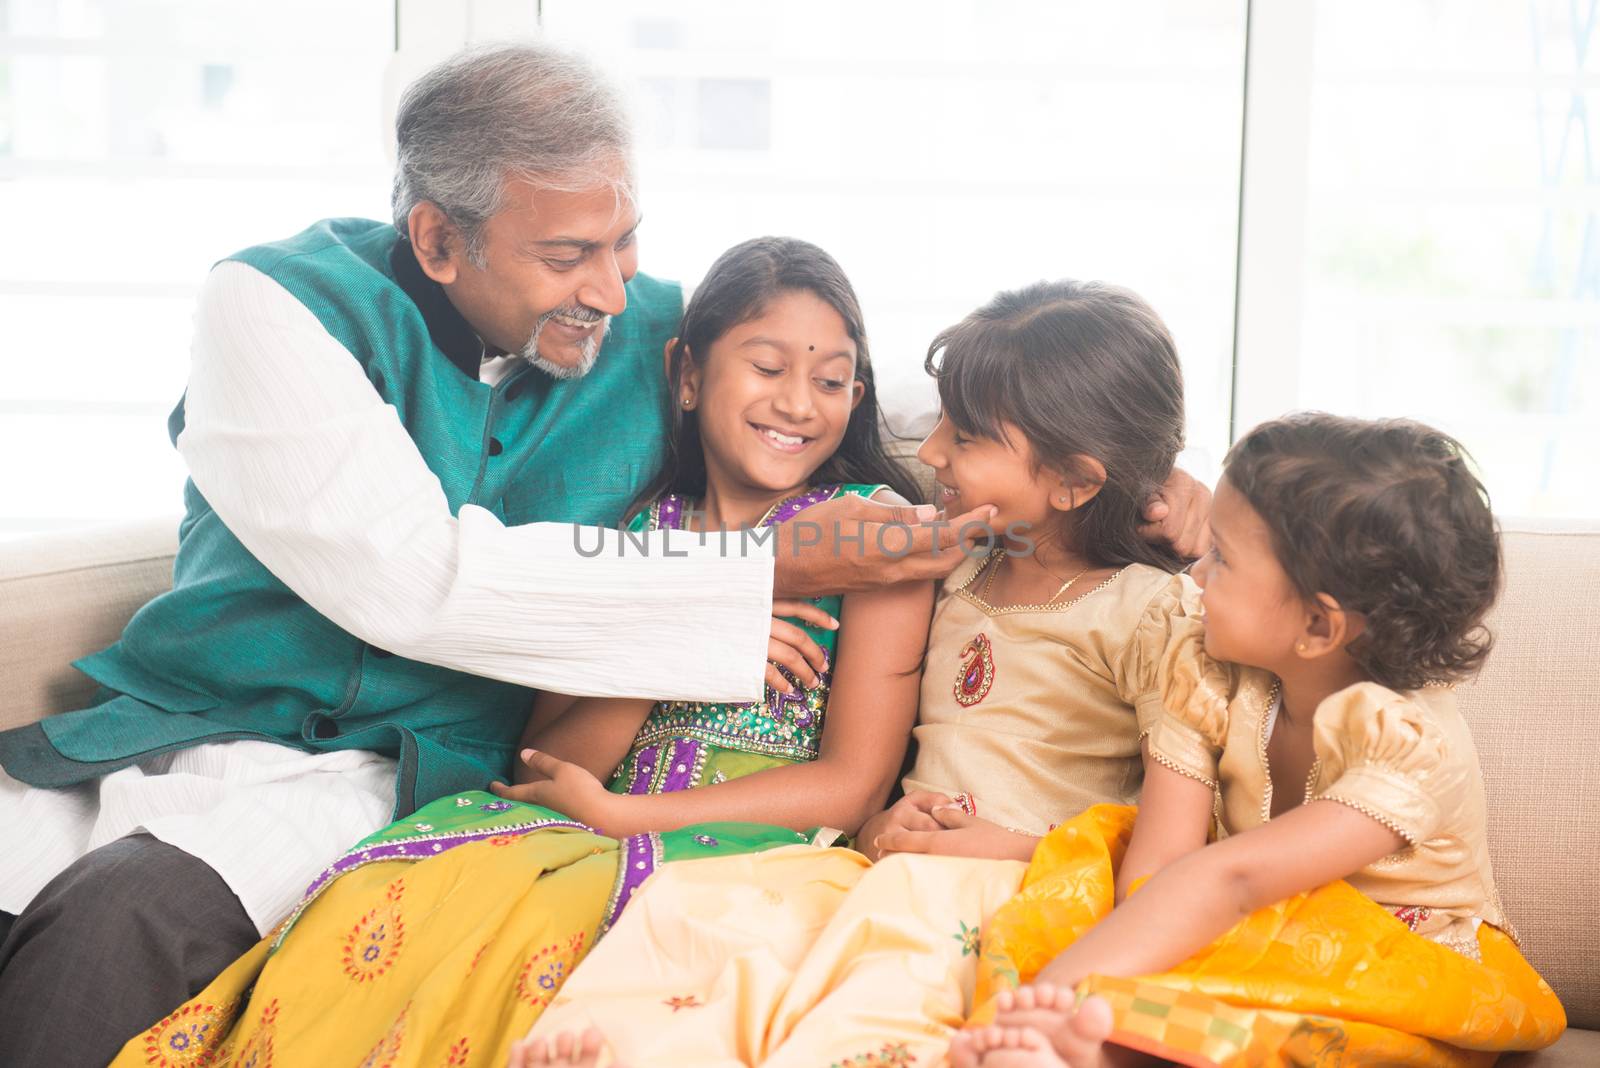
(977, 672)
(387, 1051)
(188, 1038)
(476, 957)
(373, 944)
(257, 1050)
(547, 969)
(459, 1052)
(689, 1002)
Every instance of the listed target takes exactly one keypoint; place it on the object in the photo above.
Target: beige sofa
(1535, 712)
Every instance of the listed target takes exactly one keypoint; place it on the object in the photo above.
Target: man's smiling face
(553, 269)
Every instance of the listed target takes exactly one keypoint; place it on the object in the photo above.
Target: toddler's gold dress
(1409, 961)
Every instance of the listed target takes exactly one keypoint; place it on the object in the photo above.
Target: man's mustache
(580, 312)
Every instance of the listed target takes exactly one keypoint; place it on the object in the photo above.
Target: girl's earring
(687, 402)
(1300, 647)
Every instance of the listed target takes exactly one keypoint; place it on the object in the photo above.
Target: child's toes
(1050, 996)
(1092, 1022)
(587, 1053)
(963, 1051)
(1026, 1048)
(1080, 1039)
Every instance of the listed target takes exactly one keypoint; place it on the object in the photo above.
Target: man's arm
(314, 473)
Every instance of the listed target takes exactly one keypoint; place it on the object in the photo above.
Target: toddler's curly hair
(1386, 517)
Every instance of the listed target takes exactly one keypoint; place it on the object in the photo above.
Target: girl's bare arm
(593, 732)
(871, 709)
(1174, 820)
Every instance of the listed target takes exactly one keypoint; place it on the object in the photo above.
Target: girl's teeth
(783, 439)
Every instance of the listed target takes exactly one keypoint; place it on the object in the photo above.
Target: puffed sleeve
(1387, 757)
(1179, 693)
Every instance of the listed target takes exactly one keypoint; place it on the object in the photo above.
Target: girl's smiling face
(774, 394)
(972, 471)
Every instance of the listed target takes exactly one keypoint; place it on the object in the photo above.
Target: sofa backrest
(68, 594)
(1535, 716)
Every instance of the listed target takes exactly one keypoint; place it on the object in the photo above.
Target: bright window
(1448, 266)
(141, 141)
(942, 152)
(1418, 234)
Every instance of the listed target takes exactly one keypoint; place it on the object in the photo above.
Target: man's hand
(850, 544)
(913, 812)
(1180, 515)
(960, 835)
(792, 648)
(567, 788)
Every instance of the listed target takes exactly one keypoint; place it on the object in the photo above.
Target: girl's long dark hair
(736, 289)
(1082, 369)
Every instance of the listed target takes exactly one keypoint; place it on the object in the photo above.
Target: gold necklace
(994, 570)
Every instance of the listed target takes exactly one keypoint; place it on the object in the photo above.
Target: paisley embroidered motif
(373, 944)
(547, 969)
(387, 1051)
(257, 1050)
(188, 1037)
(977, 672)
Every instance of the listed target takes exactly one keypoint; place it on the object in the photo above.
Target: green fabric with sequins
(735, 739)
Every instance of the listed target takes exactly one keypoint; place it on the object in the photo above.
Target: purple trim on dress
(427, 846)
(670, 513)
(682, 765)
(644, 769)
(641, 853)
(799, 503)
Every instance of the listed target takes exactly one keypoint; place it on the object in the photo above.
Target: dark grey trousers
(109, 947)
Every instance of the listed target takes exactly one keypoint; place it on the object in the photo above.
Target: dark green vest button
(321, 727)
(495, 448)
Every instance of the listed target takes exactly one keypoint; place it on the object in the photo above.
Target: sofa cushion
(65, 595)
(1575, 1049)
(1535, 716)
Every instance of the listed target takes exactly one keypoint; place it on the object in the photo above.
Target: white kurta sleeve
(315, 475)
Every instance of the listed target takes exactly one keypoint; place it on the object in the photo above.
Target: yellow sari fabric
(1327, 976)
(478, 940)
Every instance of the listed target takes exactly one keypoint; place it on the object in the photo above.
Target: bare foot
(1076, 1035)
(966, 1050)
(581, 1051)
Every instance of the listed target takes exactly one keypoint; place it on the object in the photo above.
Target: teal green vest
(232, 653)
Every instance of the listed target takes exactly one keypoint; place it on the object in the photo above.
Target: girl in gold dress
(1345, 910)
(1063, 410)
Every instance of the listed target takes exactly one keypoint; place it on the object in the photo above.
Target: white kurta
(316, 476)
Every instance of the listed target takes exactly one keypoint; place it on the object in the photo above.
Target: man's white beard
(587, 353)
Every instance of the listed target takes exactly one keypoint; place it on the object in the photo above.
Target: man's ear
(437, 243)
(1327, 628)
(1078, 485)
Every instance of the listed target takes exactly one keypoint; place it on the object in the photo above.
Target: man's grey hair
(527, 111)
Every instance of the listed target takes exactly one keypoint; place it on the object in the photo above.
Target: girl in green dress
(441, 938)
